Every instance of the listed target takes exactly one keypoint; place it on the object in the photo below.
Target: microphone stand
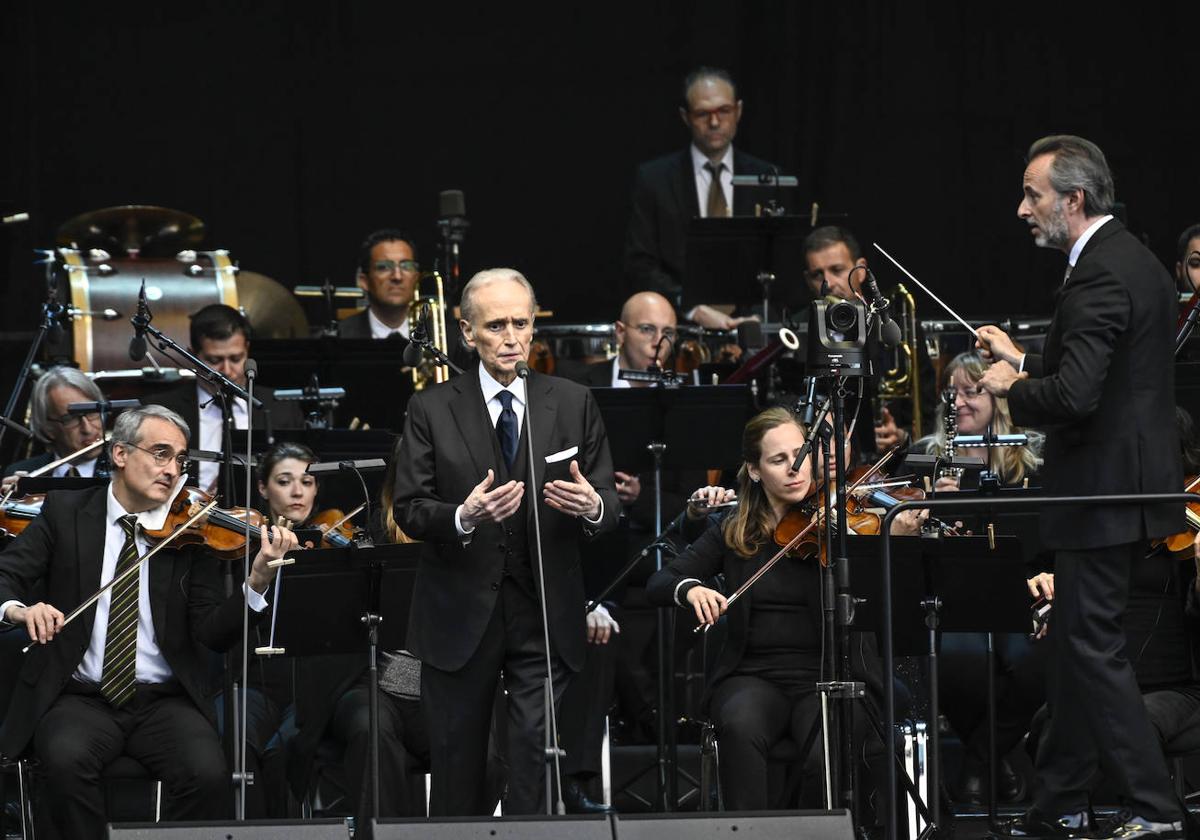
(660, 541)
(552, 750)
(241, 777)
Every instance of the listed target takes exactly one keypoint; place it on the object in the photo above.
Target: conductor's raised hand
(576, 497)
(709, 604)
(487, 505)
(995, 346)
(273, 543)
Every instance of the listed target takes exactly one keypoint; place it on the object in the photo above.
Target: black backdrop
(294, 128)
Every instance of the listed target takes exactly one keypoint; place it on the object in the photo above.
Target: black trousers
(1097, 717)
(266, 718)
(583, 709)
(160, 727)
(458, 709)
(752, 715)
(402, 736)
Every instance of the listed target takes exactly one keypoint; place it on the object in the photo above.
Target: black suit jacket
(356, 326)
(1104, 392)
(664, 201)
(446, 450)
(29, 464)
(64, 549)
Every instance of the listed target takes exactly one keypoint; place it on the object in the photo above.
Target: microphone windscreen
(412, 354)
(451, 203)
(522, 368)
(889, 333)
(137, 347)
(251, 369)
(750, 335)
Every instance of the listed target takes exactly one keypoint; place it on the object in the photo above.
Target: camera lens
(841, 317)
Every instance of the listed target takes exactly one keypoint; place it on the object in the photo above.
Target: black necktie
(119, 673)
(506, 428)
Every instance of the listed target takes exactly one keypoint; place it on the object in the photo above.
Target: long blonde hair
(1011, 463)
(387, 496)
(752, 522)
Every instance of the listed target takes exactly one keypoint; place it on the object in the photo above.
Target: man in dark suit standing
(461, 488)
(220, 336)
(1104, 392)
(388, 273)
(696, 182)
(128, 676)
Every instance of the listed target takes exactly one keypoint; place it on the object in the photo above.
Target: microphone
(251, 369)
(451, 204)
(750, 335)
(523, 369)
(414, 352)
(137, 344)
(889, 330)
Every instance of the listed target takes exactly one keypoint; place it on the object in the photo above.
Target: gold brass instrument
(427, 317)
(903, 380)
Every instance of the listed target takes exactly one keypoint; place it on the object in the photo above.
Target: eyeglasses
(70, 421)
(163, 454)
(388, 266)
(723, 113)
(651, 331)
(971, 392)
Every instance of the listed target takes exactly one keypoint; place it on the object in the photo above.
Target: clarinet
(950, 426)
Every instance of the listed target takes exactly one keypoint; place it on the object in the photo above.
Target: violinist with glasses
(763, 687)
(127, 677)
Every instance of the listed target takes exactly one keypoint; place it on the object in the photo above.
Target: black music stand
(737, 260)
(684, 428)
(368, 591)
(46, 484)
(947, 585)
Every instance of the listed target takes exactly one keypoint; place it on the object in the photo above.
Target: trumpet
(427, 319)
(903, 381)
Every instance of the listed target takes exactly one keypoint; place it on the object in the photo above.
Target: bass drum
(175, 288)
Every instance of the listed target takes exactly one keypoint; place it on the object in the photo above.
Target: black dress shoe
(1140, 828)
(577, 801)
(1031, 824)
(972, 784)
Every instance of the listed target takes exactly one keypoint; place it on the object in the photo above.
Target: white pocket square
(562, 456)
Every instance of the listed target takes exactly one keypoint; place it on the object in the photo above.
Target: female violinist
(763, 687)
(289, 491)
(1020, 687)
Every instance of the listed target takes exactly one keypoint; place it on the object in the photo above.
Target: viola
(222, 530)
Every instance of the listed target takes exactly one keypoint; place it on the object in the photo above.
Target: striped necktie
(119, 676)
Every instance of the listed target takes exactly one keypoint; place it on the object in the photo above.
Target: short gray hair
(61, 376)
(486, 278)
(128, 426)
(1078, 164)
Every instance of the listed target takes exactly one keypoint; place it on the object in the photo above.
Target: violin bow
(779, 555)
(347, 517)
(45, 468)
(133, 567)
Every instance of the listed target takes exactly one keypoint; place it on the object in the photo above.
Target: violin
(339, 532)
(16, 514)
(1180, 545)
(222, 530)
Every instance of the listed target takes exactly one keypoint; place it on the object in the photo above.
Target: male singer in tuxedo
(461, 487)
(670, 191)
(1104, 392)
(128, 677)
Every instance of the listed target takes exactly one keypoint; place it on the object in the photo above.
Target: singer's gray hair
(39, 402)
(128, 427)
(1078, 164)
(486, 278)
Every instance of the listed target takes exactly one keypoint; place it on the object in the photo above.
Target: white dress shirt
(382, 330)
(617, 381)
(85, 469)
(1077, 248)
(210, 431)
(704, 178)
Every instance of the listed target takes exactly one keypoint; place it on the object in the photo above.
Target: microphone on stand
(137, 344)
(889, 330)
(415, 350)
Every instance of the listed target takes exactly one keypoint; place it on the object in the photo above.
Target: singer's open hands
(484, 505)
(574, 498)
(629, 487)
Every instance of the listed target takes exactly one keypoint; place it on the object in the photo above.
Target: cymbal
(150, 231)
(270, 307)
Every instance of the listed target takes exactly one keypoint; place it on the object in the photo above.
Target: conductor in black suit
(695, 182)
(461, 488)
(129, 675)
(1104, 392)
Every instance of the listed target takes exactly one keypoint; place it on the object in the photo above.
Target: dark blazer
(1104, 392)
(356, 326)
(182, 399)
(707, 557)
(29, 464)
(446, 450)
(64, 548)
(664, 201)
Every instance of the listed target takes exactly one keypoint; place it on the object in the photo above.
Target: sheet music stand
(947, 585)
(737, 260)
(363, 597)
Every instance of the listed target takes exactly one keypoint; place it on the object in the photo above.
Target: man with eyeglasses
(62, 433)
(696, 182)
(128, 676)
(388, 272)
